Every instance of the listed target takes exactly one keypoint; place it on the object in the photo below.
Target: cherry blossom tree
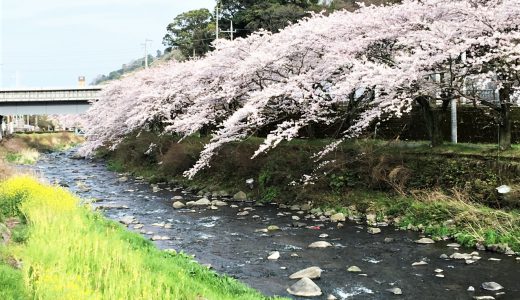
(349, 67)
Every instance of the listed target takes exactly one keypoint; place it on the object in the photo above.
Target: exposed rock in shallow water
(311, 272)
(395, 291)
(425, 241)
(374, 230)
(275, 255)
(218, 203)
(178, 205)
(304, 288)
(127, 220)
(354, 269)
(160, 238)
(273, 228)
(491, 286)
(320, 244)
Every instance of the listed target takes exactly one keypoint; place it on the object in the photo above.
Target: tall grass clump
(74, 253)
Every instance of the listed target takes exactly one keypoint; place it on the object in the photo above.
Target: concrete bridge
(47, 101)
(17, 103)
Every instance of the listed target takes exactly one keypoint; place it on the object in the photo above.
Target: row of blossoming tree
(350, 67)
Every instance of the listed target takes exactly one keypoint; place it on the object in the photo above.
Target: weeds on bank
(440, 215)
(70, 252)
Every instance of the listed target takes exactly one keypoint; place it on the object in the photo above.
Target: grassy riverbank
(26, 148)
(448, 191)
(67, 251)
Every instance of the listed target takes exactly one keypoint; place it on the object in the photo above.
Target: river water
(230, 244)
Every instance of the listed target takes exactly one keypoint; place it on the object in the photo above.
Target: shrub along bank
(446, 191)
(67, 251)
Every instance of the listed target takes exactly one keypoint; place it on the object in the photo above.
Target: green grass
(11, 283)
(70, 252)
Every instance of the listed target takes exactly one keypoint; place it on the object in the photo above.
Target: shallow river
(230, 244)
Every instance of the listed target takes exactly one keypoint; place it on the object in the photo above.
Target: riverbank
(446, 192)
(69, 252)
(25, 148)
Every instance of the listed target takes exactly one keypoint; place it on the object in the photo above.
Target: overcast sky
(51, 42)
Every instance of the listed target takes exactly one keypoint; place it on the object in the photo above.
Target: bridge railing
(35, 95)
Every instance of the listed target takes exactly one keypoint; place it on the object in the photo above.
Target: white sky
(52, 42)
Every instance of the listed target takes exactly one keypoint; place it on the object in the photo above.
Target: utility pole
(146, 41)
(231, 31)
(216, 20)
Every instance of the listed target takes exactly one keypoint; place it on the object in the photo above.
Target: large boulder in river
(304, 288)
(240, 196)
(178, 205)
(312, 272)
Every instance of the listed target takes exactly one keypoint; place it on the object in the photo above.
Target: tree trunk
(433, 121)
(504, 128)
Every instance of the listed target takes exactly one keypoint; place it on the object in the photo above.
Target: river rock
(323, 236)
(395, 291)
(138, 226)
(127, 220)
(331, 297)
(159, 238)
(177, 198)
(305, 287)
(295, 218)
(178, 205)
(123, 179)
(371, 218)
(339, 217)
(425, 241)
(275, 255)
(306, 207)
(453, 245)
(243, 213)
(320, 244)
(273, 228)
(311, 272)
(294, 207)
(202, 202)
(373, 230)
(483, 297)
(240, 196)
(218, 203)
(457, 255)
(491, 286)
(470, 289)
(354, 269)
(419, 263)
